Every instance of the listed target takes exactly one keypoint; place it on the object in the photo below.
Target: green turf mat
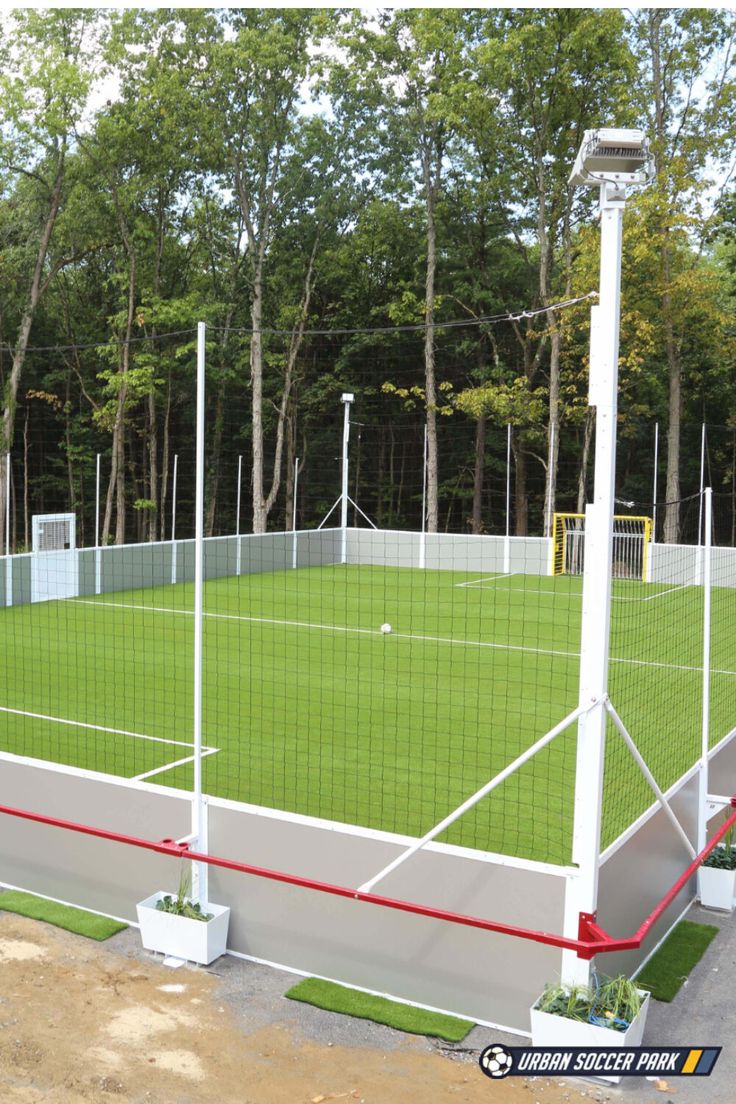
(61, 916)
(403, 1017)
(681, 951)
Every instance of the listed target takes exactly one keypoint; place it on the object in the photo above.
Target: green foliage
(607, 1002)
(182, 905)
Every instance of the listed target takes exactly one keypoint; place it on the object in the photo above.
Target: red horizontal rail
(592, 940)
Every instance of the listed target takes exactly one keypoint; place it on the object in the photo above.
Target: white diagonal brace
(476, 797)
(649, 777)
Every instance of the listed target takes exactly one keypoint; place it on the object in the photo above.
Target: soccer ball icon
(496, 1061)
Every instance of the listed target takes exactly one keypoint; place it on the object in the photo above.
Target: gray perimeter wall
(130, 566)
(448, 551)
(635, 876)
(482, 975)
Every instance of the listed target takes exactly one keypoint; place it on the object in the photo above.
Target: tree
(50, 63)
(546, 77)
(259, 68)
(400, 83)
(691, 123)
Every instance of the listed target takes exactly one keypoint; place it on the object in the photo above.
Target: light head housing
(612, 155)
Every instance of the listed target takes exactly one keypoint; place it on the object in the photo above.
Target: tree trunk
(672, 494)
(671, 531)
(116, 486)
(521, 501)
(34, 296)
(256, 383)
(26, 510)
(165, 463)
(585, 460)
(478, 474)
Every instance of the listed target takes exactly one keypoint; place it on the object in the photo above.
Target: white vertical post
(237, 518)
(654, 482)
(699, 554)
(173, 519)
(346, 401)
(707, 581)
(548, 511)
(199, 811)
(98, 550)
(293, 513)
(7, 503)
(582, 888)
(507, 538)
(423, 535)
(8, 561)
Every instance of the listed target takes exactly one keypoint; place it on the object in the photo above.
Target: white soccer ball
(495, 1061)
(385, 628)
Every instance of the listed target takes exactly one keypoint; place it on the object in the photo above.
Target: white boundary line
(486, 579)
(101, 728)
(170, 766)
(399, 636)
(478, 584)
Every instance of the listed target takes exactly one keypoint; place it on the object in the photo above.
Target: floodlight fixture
(612, 155)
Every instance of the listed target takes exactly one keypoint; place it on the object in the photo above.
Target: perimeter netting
(658, 670)
(385, 647)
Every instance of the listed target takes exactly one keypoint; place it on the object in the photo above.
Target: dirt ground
(84, 1023)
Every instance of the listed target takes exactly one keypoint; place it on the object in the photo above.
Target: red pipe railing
(591, 940)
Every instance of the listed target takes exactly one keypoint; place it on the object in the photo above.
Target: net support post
(423, 533)
(8, 561)
(293, 515)
(98, 550)
(507, 534)
(173, 519)
(199, 809)
(346, 400)
(703, 800)
(238, 549)
(581, 896)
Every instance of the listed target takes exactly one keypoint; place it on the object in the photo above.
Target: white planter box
(194, 940)
(717, 888)
(550, 1030)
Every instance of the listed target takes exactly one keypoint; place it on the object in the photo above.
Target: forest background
(372, 202)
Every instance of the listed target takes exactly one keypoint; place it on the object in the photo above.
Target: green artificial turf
(310, 709)
(670, 966)
(61, 916)
(402, 1017)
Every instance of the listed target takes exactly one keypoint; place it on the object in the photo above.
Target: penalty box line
(396, 635)
(480, 584)
(206, 750)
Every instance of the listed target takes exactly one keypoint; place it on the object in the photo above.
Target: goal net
(631, 539)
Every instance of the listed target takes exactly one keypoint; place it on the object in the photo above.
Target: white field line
(170, 766)
(478, 584)
(101, 728)
(486, 579)
(397, 635)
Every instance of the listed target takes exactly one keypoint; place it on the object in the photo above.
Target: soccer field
(309, 708)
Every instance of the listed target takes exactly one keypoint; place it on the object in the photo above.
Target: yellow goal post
(631, 539)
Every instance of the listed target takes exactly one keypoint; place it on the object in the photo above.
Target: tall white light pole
(199, 806)
(610, 160)
(347, 399)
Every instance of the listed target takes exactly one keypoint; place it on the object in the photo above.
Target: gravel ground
(87, 1023)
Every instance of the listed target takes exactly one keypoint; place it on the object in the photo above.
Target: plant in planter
(177, 926)
(717, 876)
(608, 1012)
